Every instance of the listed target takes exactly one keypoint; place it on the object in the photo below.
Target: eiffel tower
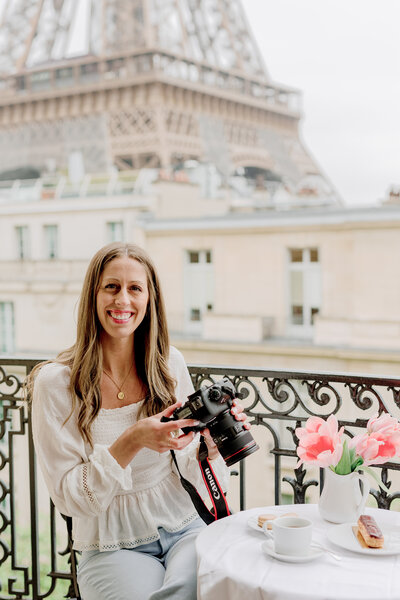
(157, 83)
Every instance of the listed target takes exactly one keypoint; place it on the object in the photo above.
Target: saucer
(268, 548)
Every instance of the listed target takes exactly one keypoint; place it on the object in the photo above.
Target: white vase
(342, 500)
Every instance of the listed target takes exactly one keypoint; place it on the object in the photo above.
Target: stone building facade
(299, 288)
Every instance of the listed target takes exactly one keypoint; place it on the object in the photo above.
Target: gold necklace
(120, 394)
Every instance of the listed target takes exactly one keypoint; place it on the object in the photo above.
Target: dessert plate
(343, 536)
(268, 548)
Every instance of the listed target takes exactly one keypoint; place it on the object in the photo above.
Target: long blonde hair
(151, 343)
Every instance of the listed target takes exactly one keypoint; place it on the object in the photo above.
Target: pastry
(265, 517)
(359, 537)
(370, 532)
(268, 517)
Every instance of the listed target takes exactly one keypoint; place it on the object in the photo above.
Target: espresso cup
(291, 535)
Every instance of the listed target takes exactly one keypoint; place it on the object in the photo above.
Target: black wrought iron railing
(36, 557)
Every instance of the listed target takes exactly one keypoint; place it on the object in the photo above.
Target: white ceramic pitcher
(342, 500)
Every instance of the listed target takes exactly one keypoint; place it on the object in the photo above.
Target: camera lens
(214, 394)
(234, 443)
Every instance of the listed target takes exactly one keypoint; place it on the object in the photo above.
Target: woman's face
(122, 297)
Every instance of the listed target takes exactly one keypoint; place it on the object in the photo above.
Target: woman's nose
(122, 297)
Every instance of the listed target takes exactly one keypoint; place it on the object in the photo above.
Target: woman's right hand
(154, 434)
(163, 436)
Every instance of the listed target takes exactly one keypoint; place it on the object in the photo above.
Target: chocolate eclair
(370, 532)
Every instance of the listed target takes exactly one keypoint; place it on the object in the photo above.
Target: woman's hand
(237, 411)
(162, 436)
(154, 434)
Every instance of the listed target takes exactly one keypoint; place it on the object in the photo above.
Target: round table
(232, 565)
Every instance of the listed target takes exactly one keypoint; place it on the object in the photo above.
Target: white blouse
(112, 507)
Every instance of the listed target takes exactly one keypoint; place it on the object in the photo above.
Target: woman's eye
(110, 286)
(136, 288)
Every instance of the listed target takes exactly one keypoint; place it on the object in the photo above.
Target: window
(20, 83)
(115, 231)
(296, 255)
(41, 80)
(195, 314)
(304, 289)
(89, 72)
(22, 234)
(51, 241)
(64, 76)
(198, 288)
(115, 67)
(6, 327)
(194, 257)
(89, 68)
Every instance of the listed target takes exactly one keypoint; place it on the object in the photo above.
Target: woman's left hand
(238, 412)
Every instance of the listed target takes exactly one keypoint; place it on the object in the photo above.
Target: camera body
(211, 406)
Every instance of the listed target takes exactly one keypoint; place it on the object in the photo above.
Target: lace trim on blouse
(120, 544)
(90, 496)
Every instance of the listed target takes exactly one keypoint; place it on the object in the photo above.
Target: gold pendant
(120, 395)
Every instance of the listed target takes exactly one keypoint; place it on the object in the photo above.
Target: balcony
(36, 559)
(94, 73)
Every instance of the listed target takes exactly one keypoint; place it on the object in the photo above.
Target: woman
(102, 447)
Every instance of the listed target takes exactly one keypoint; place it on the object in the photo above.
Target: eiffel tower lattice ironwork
(139, 83)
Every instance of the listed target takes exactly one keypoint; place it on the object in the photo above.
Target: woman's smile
(120, 316)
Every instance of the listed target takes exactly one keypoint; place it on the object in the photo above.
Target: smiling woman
(122, 297)
(102, 445)
(121, 306)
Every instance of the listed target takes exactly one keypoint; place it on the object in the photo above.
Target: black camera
(211, 406)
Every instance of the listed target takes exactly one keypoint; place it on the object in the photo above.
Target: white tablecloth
(232, 565)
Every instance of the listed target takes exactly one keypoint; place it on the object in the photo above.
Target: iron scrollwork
(321, 393)
(18, 579)
(276, 402)
(282, 391)
(363, 397)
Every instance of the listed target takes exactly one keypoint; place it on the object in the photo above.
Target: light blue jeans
(164, 569)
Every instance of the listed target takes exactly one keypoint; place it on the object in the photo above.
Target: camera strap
(220, 506)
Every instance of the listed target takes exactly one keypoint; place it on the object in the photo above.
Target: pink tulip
(320, 442)
(385, 424)
(380, 442)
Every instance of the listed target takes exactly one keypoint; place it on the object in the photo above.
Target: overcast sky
(344, 56)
